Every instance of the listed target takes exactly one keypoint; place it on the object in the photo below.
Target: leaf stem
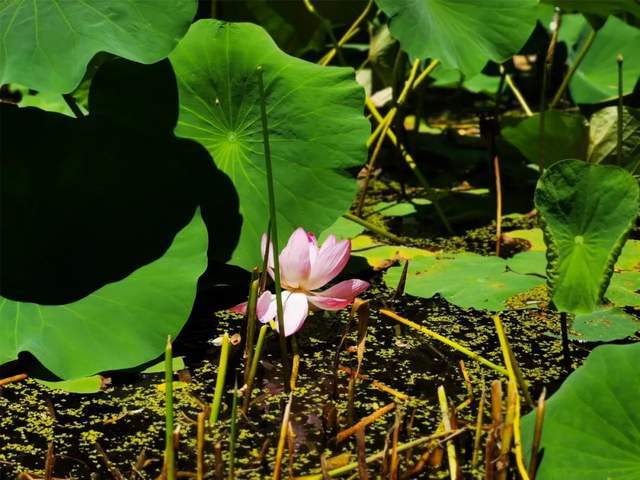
(169, 452)
(374, 228)
(274, 228)
(574, 66)
(222, 373)
(620, 60)
(548, 63)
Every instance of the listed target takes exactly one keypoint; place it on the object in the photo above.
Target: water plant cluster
(319, 239)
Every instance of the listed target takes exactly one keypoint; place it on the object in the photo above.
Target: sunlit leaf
(604, 325)
(603, 141)
(47, 44)
(596, 79)
(487, 30)
(592, 423)
(566, 136)
(316, 127)
(586, 212)
(380, 255)
(470, 280)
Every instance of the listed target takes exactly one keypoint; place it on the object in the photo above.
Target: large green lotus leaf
(463, 34)
(566, 136)
(604, 325)
(596, 79)
(598, 7)
(592, 423)
(603, 141)
(89, 209)
(316, 127)
(586, 212)
(120, 325)
(624, 289)
(467, 279)
(47, 44)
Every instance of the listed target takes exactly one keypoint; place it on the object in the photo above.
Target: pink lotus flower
(304, 268)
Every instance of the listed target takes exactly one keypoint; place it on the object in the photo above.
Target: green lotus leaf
(592, 423)
(47, 44)
(120, 325)
(586, 213)
(470, 280)
(604, 325)
(463, 34)
(598, 7)
(596, 79)
(603, 133)
(624, 289)
(380, 255)
(316, 127)
(84, 385)
(566, 136)
(343, 229)
(93, 276)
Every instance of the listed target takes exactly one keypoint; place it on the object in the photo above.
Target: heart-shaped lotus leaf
(47, 44)
(598, 7)
(604, 325)
(316, 127)
(380, 255)
(566, 136)
(463, 34)
(603, 137)
(470, 280)
(592, 423)
(586, 212)
(120, 325)
(596, 79)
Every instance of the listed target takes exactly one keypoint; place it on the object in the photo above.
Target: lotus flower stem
(222, 372)
(233, 430)
(620, 60)
(456, 346)
(574, 66)
(274, 228)
(502, 465)
(374, 228)
(295, 363)
(515, 378)
(281, 440)
(251, 323)
(537, 435)
(555, 29)
(478, 431)
(200, 473)
(169, 453)
(254, 367)
(348, 34)
(451, 449)
(510, 360)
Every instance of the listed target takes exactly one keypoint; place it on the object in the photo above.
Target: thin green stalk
(254, 367)
(620, 60)
(548, 63)
(576, 63)
(374, 228)
(274, 229)
(233, 429)
(169, 452)
(251, 322)
(222, 372)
